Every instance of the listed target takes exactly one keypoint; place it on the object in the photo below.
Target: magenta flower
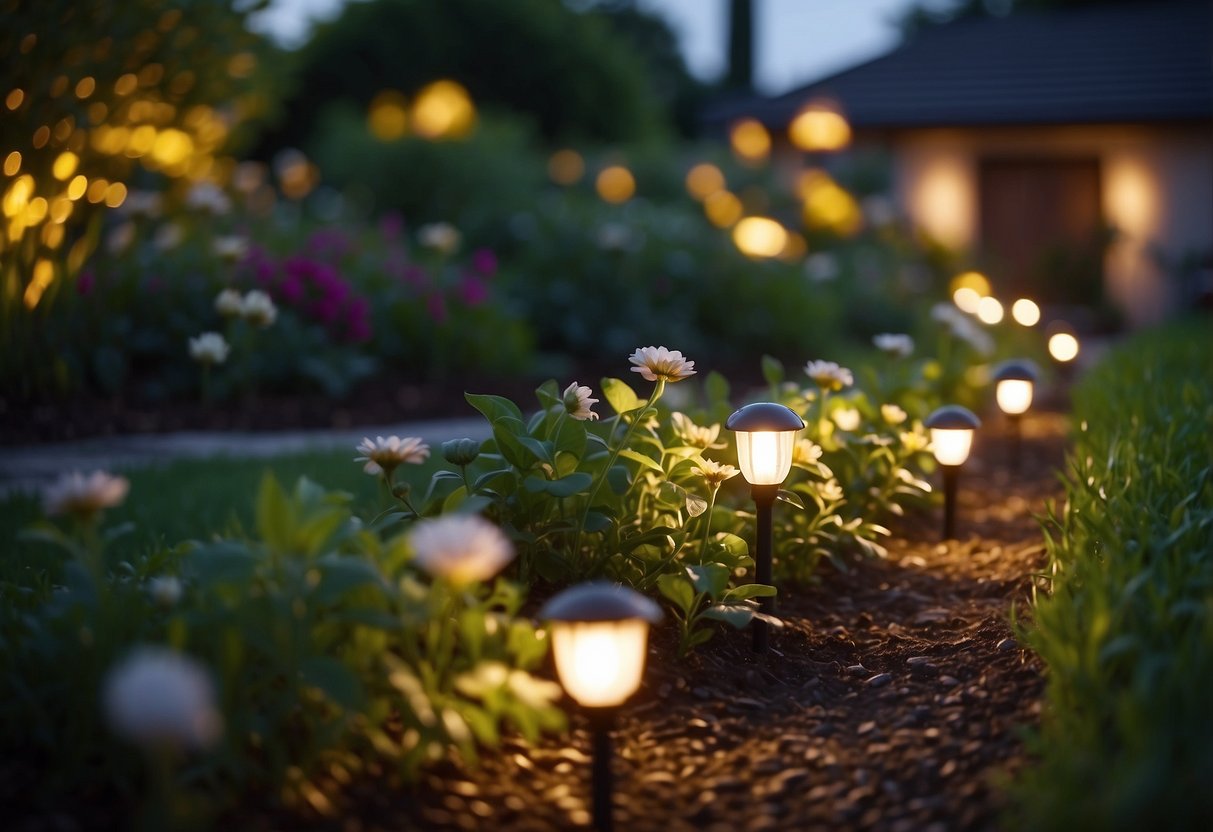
(473, 291)
(435, 304)
(484, 261)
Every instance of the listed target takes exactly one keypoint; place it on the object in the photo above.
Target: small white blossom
(878, 210)
(806, 452)
(614, 236)
(142, 203)
(577, 402)
(655, 363)
(847, 418)
(896, 345)
(460, 548)
(207, 196)
(165, 590)
(156, 697)
(168, 236)
(892, 414)
(831, 491)
(230, 248)
(821, 267)
(914, 440)
(229, 303)
(75, 493)
(715, 472)
(258, 309)
(696, 436)
(440, 236)
(384, 454)
(120, 239)
(828, 375)
(209, 348)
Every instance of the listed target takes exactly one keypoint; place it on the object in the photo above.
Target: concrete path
(28, 468)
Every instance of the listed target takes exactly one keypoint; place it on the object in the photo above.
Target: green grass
(197, 499)
(1127, 631)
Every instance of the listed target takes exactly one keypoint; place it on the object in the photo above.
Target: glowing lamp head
(952, 429)
(600, 633)
(766, 437)
(1014, 382)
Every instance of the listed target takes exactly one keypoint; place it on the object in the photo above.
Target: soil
(895, 697)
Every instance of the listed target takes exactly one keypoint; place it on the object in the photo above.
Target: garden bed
(895, 697)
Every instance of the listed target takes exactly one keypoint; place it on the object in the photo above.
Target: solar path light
(952, 429)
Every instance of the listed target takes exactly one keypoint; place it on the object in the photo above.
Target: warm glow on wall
(387, 117)
(760, 237)
(722, 209)
(942, 200)
(1131, 198)
(1025, 312)
(750, 140)
(615, 184)
(819, 127)
(443, 110)
(566, 167)
(703, 180)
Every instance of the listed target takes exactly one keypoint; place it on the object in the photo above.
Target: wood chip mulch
(894, 698)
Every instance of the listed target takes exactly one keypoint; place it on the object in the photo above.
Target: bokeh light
(989, 311)
(760, 237)
(615, 184)
(703, 180)
(750, 141)
(388, 117)
(566, 167)
(443, 110)
(827, 205)
(966, 299)
(1063, 346)
(976, 281)
(819, 127)
(1025, 312)
(722, 209)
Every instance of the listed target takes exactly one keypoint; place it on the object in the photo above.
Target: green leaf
(717, 387)
(548, 395)
(570, 438)
(790, 497)
(678, 590)
(332, 678)
(733, 544)
(747, 591)
(339, 575)
(577, 483)
(772, 370)
(620, 479)
(491, 478)
(226, 562)
(275, 516)
(647, 462)
(620, 396)
(709, 578)
(735, 615)
(506, 432)
(597, 521)
(494, 408)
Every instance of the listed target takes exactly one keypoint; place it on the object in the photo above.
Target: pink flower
(391, 226)
(472, 290)
(484, 261)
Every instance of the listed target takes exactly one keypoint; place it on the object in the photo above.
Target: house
(1069, 150)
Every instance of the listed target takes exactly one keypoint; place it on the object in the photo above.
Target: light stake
(1015, 382)
(766, 438)
(600, 634)
(952, 429)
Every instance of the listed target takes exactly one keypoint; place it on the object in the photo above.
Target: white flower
(460, 548)
(715, 472)
(577, 402)
(142, 203)
(156, 696)
(963, 327)
(847, 418)
(898, 346)
(614, 236)
(440, 236)
(828, 375)
(914, 440)
(655, 363)
(806, 452)
(258, 308)
(892, 414)
(230, 248)
(696, 436)
(209, 348)
(383, 454)
(207, 196)
(74, 493)
(168, 236)
(248, 177)
(120, 239)
(821, 267)
(229, 303)
(165, 590)
(831, 491)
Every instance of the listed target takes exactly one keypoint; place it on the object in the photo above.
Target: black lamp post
(766, 438)
(600, 635)
(952, 429)
(1015, 382)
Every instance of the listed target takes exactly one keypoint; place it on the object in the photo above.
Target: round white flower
(385, 454)
(258, 308)
(229, 303)
(577, 402)
(74, 493)
(440, 236)
(165, 590)
(896, 345)
(828, 375)
(209, 348)
(156, 696)
(207, 196)
(847, 418)
(821, 267)
(168, 236)
(460, 548)
(654, 363)
(892, 414)
(230, 248)
(715, 472)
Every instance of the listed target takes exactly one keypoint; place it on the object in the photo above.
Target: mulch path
(894, 698)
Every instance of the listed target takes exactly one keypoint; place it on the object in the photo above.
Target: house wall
(1157, 192)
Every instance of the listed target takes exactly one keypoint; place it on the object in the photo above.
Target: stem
(707, 523)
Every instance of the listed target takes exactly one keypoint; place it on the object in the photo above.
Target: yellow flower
(715, 472)
(696, 436)
(806, 452)
(847, 418)
(914, 440)
(892, 414)
(658, 363)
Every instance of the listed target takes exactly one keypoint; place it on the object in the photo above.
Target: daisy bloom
(715, 472)
(229, 303)
(440, 236)
(660, 364)
(258, 308)
(896, 345)
(828, 375)
(156, 697)
(209, 348)
(230, 248)
(460, 548)
(847, 418)
(383, 454)
(831, 491)
(806, 452)
(577, 402)
(696, 436)
(892, 414)
(913, 441)
(74, 493)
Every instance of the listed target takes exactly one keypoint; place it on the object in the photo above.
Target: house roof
(1121, 63)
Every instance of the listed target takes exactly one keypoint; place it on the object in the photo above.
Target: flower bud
(460, 451)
